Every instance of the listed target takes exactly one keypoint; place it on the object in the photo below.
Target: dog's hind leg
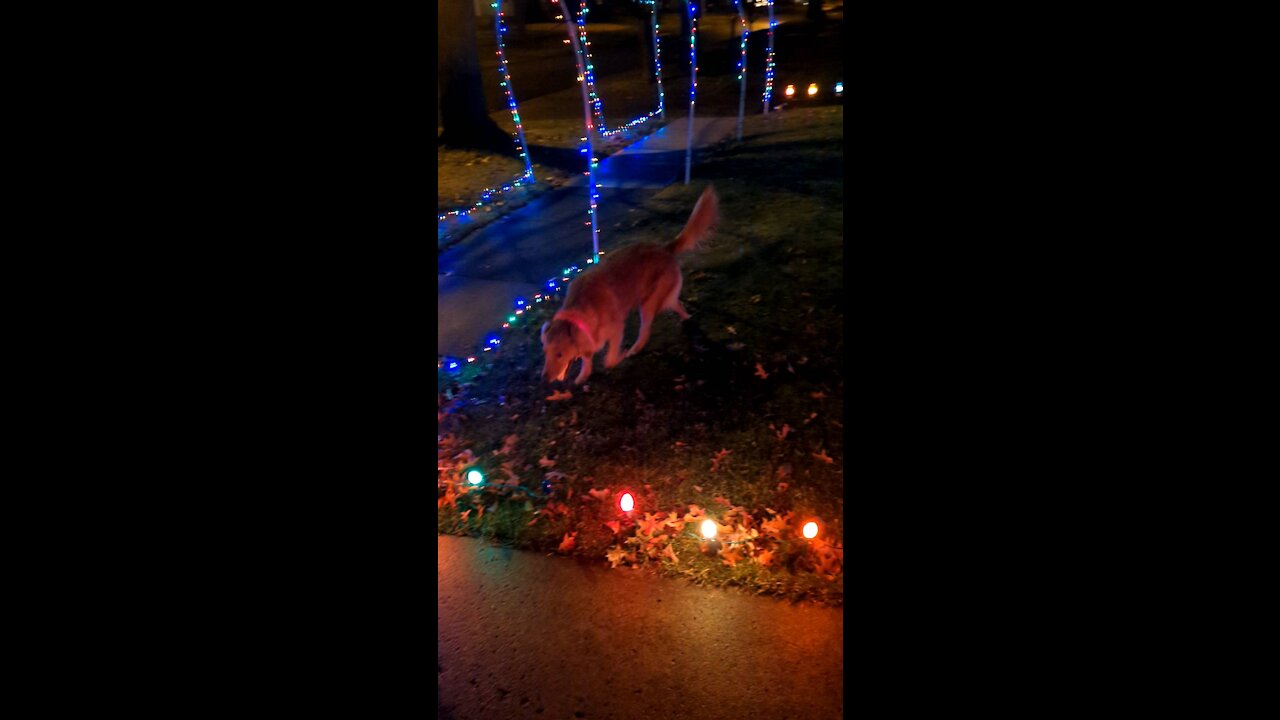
(647, 311)
(673, 300)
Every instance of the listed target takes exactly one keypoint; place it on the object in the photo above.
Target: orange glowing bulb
(626, 502)
(811, 530)
(708, 529)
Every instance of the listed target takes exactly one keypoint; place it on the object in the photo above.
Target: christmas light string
(525, 178)
(693, 84)
(576, 31)
(657, 60)
(768, 63)
(555, 287)
(742, 64)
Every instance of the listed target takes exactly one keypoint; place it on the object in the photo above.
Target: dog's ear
(543, 335)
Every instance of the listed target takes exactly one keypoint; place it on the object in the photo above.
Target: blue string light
(493, 341)
(693, 84)
(525, 178)
(742, 64)
(768, 63)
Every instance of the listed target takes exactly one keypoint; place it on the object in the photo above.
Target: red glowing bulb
(626, 502)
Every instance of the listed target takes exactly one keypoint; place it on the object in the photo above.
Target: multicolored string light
(693, 84)
(768, 63)
(576, 33)
(525, 178)
(555, 287)
(657, 60)
(588, 75)
(742, 65)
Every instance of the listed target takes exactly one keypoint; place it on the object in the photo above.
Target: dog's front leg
(585, 372)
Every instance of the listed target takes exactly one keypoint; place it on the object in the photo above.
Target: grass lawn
(735, 415)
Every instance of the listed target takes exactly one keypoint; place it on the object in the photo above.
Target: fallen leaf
(731, 556)
(755, 298)
(558, 395)
(465, 513)
(600, 494)
(722, 501)
(817, 395)
(764, 557)
(615, 556)
(669, 552)
(546, 463)
(675, 521)
(614, 525)
(697, 488)
(783, 471)
(775, 526)
(760, 373)
(718, 458)
(731, 329)
(649, 524)
(568, 542)
(823, 457)
(782, 434)
(508, 445)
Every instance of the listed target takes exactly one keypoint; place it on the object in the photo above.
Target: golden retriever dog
(600, 299)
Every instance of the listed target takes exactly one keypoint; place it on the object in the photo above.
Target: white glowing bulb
(811, 530)
(626, 502)
(475, 477)
(708, 529)
(813, 88)
(791, 90)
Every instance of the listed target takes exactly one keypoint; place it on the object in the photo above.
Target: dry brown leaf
(600, 494)
(730, 556)
(615, 555)
(823, 457)
(614, 525)
(760, 373)
(718, 458)
(568, 542)
(764, 557)
(546, 462)
(559, 395)
(649, 524)
(465, 513)
(669, 552)
(722, 501)
(782, 434)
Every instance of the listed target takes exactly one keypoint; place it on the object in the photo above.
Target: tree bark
(463, 114)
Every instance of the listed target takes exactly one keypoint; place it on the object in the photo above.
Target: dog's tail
(705, 215)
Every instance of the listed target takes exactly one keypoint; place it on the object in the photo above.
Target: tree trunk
(463, 115)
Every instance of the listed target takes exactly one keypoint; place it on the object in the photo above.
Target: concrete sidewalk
(479, 279)
(522, 635)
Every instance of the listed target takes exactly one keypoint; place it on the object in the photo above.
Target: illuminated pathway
(523, 635)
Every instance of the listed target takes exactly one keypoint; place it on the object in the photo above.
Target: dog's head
(560, 345)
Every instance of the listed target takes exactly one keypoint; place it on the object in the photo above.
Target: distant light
(453, 365)
(709, 529)
(626, 502)
(839, 88)
(475, 477)
(811, 530)
(813, 89)
(791, 90)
